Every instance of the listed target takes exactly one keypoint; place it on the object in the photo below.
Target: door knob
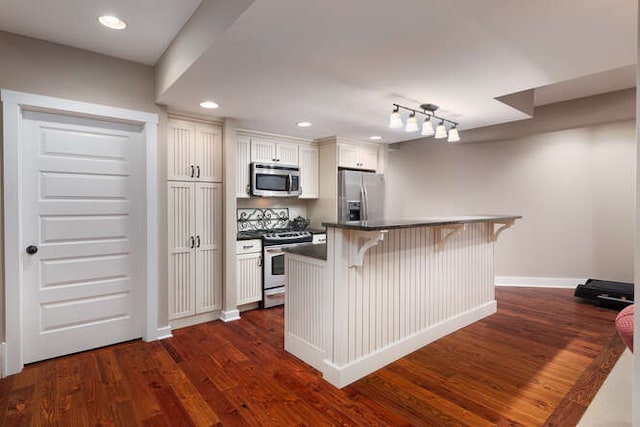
(32, 249)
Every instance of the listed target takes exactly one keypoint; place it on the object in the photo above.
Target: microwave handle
(289, 183)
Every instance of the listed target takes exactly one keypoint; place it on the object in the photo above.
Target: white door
(83, 189)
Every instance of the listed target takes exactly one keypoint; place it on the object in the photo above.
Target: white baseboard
(2, 359)
(164, 332)
(229, 316)
(341, 376)
(539, 282)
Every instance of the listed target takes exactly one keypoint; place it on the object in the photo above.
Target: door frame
(14, 104)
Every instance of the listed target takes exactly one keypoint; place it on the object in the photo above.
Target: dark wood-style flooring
(538, 361)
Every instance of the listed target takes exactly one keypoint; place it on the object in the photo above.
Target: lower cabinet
(194, 241)
(249, 271)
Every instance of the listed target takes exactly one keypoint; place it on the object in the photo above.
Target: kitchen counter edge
(391, 224)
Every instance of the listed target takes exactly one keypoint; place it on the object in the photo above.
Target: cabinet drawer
(319, 238)
(248, 246)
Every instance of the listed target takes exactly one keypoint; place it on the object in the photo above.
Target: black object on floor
(609, 294)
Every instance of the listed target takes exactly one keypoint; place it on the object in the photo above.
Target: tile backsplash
(296, 206)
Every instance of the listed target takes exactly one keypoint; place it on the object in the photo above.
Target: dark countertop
(247, 235)
(318, 251)
(390, 224)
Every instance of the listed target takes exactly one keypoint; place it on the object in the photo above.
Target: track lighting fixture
(412, 123)
(395, 122)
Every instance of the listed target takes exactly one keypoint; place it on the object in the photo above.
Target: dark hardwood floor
(538, 361)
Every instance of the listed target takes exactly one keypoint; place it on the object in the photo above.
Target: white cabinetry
(194, 241)
(194, 152)
(309, 171)
(271, 151)
(243, 158)
(357, 157)
(249, 271)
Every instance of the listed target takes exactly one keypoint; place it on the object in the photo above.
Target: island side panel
(304, 310)
(408, 292)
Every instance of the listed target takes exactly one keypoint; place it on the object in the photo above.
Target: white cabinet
(249, 271)
(309, 171)
(243, 158)
(271, 151)
(194, 152)
(357, 157)
(195, 247)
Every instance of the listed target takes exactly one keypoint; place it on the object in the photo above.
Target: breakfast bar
(382, 289)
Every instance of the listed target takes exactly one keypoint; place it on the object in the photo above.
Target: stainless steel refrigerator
(360, 196)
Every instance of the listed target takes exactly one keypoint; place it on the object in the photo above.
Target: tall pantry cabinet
(194, 172)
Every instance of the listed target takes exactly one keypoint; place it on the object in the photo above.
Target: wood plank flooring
(538, 361)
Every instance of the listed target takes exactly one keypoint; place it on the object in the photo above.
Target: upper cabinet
(309, 171)
(270, 151)
(194, 152)
(357, 156)
(243, 158)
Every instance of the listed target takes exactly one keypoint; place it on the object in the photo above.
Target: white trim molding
(3, 368)
(229, 316)
(164, 333)
(539, 282)
(14, 104)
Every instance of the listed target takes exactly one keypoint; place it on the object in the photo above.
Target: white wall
(574, 189)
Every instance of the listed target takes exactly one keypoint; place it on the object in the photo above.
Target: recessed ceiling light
(303, 124)
(209, 104)
(112, 22)
(375, 138)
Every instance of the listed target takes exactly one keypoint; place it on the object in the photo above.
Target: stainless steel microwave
(275, 180)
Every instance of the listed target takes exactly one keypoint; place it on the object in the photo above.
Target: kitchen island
(380, 290)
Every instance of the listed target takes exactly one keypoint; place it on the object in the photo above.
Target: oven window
(277, 265)
(271, 182)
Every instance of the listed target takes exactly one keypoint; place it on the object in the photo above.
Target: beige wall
(43, 68)
(574, 189)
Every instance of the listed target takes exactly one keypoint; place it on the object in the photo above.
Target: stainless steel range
(272, 226)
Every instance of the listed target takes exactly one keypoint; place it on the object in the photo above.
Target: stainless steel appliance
(360, 195)
(275, 180)
(273, 244)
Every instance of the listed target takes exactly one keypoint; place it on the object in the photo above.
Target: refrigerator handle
(365, 203)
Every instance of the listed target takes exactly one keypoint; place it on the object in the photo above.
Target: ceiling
(341, 64)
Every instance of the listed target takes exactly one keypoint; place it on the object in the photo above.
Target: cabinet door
(208, 247)
(263, 150)
(309, 172)
(243, 158)
(181, 241)
(181, 150)
(208, 153)
(368, 158)
(287, 154)
(347, 156)
(249, 278)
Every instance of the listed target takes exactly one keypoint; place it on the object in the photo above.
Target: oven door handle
(273, 251)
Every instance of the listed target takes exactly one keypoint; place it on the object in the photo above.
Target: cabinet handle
(192, 171)
(273, 160)
(193, 242)
(198, 240)
(248, 188)
(247, 246)
(260, 261)
(198, 169)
